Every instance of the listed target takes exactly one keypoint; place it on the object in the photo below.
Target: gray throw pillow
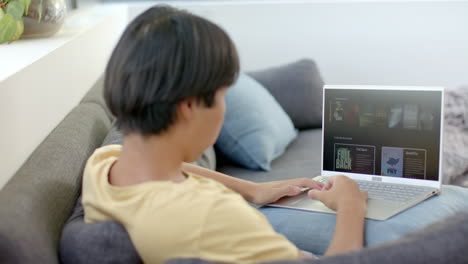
(108, 241)
(298, 88)
(102, 242)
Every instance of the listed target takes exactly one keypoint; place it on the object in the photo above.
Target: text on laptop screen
(392, 133)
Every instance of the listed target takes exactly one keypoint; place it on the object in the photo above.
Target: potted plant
(11, 19)
(30, 18)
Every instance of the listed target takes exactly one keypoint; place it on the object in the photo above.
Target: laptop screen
(393, 133)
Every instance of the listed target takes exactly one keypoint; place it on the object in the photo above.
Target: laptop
(386, 138)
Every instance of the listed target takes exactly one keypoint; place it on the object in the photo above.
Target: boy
(165, 83)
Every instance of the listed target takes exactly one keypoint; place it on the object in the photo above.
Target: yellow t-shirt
(196, 218)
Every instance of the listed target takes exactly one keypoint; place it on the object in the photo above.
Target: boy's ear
(186, 109)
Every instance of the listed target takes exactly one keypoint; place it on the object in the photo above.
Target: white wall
(353, 42)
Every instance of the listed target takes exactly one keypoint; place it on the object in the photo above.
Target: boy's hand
(340, 192)
(268, 192)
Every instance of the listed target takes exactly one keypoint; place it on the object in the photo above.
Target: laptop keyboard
(391, 192)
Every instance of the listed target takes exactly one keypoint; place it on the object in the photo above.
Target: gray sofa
(36, 203)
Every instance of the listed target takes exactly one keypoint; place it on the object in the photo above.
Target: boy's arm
(349, 230)
(243, 187)
(258, 193)
(342, 195)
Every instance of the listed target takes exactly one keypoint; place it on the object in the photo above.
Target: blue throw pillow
(256, 130)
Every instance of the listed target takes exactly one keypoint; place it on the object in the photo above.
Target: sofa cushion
(256, 130)
(96, 95)
(301, 159)
(439, 243)
(298, 87)
(36, 202)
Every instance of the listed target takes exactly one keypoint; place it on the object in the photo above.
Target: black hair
(164, 56)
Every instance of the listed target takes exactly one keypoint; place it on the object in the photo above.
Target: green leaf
(19, 30)
(1, 13)
(39, 11)
(16, 9)
(8, 28)
(25, 4)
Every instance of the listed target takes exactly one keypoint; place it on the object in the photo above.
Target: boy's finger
(365, 195)
(306, 182)
(327, 185)
(290, 190)
(312, 184)
(315, 194)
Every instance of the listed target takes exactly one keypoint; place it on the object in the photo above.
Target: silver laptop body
(386, 138)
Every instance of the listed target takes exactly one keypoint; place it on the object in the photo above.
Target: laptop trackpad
(376, 209)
